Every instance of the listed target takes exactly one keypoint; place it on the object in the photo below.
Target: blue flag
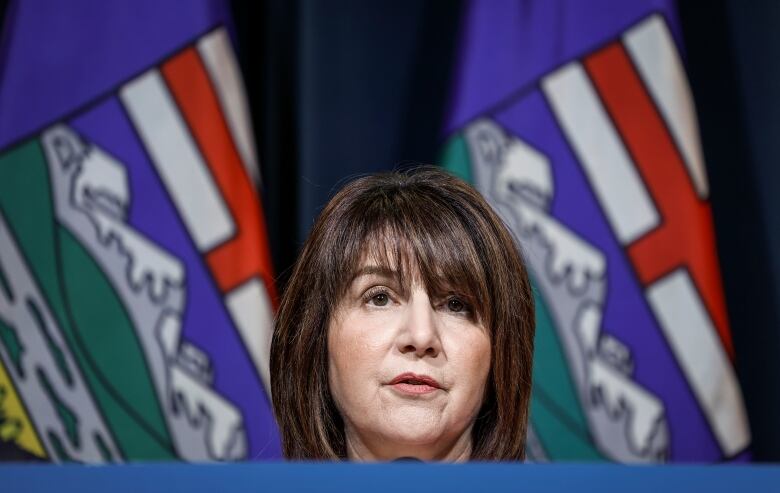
(136, 289)
(575, 120)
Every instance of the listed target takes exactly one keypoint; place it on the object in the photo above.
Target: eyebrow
(371, 270)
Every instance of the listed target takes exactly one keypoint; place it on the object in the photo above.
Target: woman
(406, 329)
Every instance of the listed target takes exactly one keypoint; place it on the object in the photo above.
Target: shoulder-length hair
(435, 222)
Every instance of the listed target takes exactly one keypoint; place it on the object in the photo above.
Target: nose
(419, 334)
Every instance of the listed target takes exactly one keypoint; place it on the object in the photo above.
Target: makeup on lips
(413, 384)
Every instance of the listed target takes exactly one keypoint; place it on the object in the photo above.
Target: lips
(411, 383)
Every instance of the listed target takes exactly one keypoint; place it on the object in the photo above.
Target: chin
(414, 436)
(423, 447)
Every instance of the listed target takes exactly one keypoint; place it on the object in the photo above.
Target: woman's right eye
(377, 297)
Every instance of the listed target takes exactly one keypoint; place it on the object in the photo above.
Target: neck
(373, 449)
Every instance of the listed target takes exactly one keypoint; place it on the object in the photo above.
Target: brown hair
(433, 221)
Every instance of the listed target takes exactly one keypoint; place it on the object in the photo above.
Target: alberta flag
(136, 289)
(575, 120)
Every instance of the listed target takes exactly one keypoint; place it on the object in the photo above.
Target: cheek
(354, 355)
(343, 349)
(471, 355)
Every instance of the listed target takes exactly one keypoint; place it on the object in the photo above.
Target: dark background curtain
(344, 87)
(339, 88)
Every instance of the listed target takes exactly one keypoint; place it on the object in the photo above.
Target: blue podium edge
(392, 477)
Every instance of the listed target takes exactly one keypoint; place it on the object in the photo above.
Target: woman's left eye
(457, 306)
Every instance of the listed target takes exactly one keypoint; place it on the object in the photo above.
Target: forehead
(385, 252)
(408, 263)
(396, 264)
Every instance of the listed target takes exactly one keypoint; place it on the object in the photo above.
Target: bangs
(432, 246)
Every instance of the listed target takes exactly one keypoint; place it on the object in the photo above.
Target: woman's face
(407, 371)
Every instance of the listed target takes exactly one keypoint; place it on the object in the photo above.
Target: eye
(377, 296)
(380, 299)
(456, 305)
